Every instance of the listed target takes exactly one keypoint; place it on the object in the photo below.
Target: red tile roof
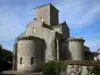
(83, 62)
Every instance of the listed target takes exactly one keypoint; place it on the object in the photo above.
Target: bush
(94, 70)
(53, 68)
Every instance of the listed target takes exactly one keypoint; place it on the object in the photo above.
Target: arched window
(32, 60)
(21, 59)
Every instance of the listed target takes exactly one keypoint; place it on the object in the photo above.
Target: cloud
(8, 44)
(92, 40)
(80, 13)
(90, 15)
(12, 23)
(9, 25)
(93, 44)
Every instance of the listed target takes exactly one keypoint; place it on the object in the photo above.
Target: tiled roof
(83, 62)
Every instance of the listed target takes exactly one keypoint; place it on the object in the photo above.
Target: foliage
(94, 70)
(5, 59)
(0, 47)
(5, 56)
(53, 68)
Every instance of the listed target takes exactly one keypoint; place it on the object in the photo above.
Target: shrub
(53, 68)
(94, 70)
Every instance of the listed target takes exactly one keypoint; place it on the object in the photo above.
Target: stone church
(44, 40)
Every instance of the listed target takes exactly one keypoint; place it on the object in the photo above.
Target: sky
(82, 17)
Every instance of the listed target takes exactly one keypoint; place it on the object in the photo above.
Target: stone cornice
(46, 5)
(29, 38)
(75, 40)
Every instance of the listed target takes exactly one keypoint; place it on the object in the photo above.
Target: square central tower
(47, 13)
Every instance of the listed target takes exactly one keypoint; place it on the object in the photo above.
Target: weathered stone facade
(76, 70)
(47, 13)
(30, 54)
(76, 47)
(44, 40)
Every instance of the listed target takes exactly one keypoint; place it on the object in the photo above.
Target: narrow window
(33, 30)
(42, 19)
(21, 60)
(32, 60)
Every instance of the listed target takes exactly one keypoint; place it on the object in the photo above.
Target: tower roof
(46, 5)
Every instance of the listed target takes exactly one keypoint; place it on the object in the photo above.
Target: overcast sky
(82, 17)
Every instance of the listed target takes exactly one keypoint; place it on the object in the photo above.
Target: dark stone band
(75, 40)
(30, 38)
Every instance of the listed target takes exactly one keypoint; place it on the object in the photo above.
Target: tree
(0, 47)
(5, 59)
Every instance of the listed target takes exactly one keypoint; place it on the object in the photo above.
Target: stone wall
(76, 48)
(76, 70)
(35, 28)
(49, 36)
(65, 53)
(54, 16)
(27, 49)
(46, 13)
(14, 65)
(77, 67)
(43, 12)
(65, 30)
